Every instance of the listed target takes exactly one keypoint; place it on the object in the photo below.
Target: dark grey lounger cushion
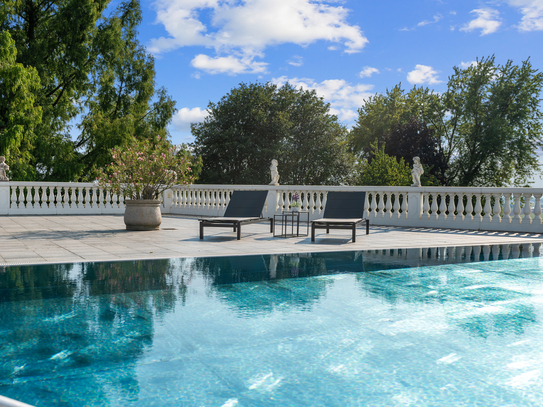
(246, 204)
(341, 205)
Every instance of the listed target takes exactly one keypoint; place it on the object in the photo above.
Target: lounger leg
(271, 225)
(367, 226)
(239, 230)
(327, 230)
(354, 233)
(201, 230)
(312, 232)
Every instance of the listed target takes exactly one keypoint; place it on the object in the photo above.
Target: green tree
(416, 139)
(19, 114)
(381, 114)
(490, 121)
(256, 123)
(94, 77)
(383, 170)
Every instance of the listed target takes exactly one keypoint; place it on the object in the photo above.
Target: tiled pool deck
(60, 239)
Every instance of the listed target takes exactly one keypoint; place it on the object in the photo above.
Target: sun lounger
(344, 210)
(244, 207)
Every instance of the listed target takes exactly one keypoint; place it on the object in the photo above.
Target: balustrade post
(4, 198)
(414, 205)
(167, 200)
(271, 204)
(478, 208)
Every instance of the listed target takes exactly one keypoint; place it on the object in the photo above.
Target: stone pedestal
(414, 205)
(4, 198)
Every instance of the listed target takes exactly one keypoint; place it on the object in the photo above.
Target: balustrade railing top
(475, 208)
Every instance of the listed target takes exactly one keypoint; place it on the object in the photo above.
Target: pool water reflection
(422, 327)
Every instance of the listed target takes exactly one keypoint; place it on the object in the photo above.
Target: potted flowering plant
(296, 204)
(141, 173)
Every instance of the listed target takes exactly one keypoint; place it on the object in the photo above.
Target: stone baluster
(380, 206)
(460, 207)
(537, 209)
(451, 208)
(311, 202)
(324, 200)
(287, 200)
(487, 217)
(478, 208)
(396, 207)
(434, 207)
(507, 207)
(527, 210)
(73, 203)
(516, 208)
(426, 206)
(318, 204)
(21, 197)
(388, 206)
(403, 205)
(497, 208)
(469, 207)
(115, 199)
(442, 206)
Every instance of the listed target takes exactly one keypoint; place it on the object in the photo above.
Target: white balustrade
(494, 209)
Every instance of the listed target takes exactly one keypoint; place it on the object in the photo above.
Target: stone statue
(4, 168)
(416, 172)
(274, 173)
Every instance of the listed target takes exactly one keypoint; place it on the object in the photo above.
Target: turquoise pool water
(428, 327)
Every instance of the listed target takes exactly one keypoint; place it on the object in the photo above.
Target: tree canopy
(256, 123)
(487, 124)
(94, 76)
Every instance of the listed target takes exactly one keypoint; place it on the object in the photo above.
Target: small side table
(290, 222)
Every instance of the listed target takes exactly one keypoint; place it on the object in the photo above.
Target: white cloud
(465, 65)
(252, 25)
(487, 20)
(368, 71)
(423, 74)
(229, 65)
(185, 116)
(344, 98)
(532, 14)
(296, 60)
(437, 17)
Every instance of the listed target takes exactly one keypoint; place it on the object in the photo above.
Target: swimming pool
(424, 327)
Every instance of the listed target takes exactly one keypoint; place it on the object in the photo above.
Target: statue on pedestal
(274, 173)
(416, 172)
(4, 168)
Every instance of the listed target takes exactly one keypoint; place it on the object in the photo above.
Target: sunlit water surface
(399, 327)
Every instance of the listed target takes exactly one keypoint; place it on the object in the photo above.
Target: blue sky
(345, 50)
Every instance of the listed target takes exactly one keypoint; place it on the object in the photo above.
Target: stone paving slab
(60, 239)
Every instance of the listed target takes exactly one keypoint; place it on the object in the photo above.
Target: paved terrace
(60, 239)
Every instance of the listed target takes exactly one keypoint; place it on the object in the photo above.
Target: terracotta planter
(142, 214)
